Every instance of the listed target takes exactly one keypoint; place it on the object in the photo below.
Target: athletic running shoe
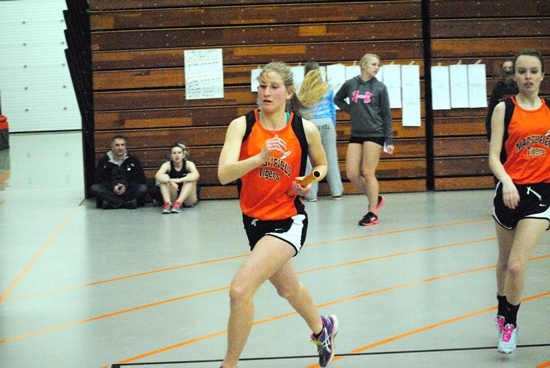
(166, 208)
(381, 201)
(369, 219)
(176, 207)
(325, 342)
(499, 320)
(508, 338)
(337, 198)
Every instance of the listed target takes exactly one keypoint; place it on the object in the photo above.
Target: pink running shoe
(508, 338)
(499, 320)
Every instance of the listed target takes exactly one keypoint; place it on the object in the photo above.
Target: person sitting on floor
(120, 180)
(177, 180)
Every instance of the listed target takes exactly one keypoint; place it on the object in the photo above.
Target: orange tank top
(528, 145)
(263, 190)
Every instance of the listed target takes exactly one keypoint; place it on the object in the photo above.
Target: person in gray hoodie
(367, 101)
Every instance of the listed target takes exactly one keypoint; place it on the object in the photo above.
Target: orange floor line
(204, 293)
(430, 327)
(396, 255)
(95, 283)
(398, 231)
(104, 316)
(188, 342)
(242, 256)
(22, 274)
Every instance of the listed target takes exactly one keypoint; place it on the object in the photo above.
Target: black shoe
(369, 219)
(131, 205)
(325, 342)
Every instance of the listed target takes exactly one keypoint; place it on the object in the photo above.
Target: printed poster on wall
(352, 71)
(380, 74)
(254, 74)
(477, 85)
(391, 77)
(459, 86)
(298, 75)
(410, 79)
(203, 74)
(336, 75)
(441, 92)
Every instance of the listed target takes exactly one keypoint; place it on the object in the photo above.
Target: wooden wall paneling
(259, 13)
(262, 54)
(457, 48)
(467, 126)
(175, 77)
(503, 9)
(159, 4)
(201, 116)
(461, 146)
(286, 34)
(461, 166)
(487, 28)
(161, 78)
(166, 98)
(174, 117)
(156, 138)
(464, 183)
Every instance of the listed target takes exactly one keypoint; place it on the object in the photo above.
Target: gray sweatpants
(328, 138)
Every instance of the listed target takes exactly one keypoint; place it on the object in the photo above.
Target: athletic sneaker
(369, 219)
(508, 337)
(166, 208)
(325, 342)
(176, 207)
(381, 201)
(500, 322)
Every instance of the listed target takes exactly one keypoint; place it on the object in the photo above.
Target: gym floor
(84, 287)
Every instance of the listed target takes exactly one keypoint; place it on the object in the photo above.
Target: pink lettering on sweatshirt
(366, 97)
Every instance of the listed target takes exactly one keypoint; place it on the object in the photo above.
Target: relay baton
(309, 179)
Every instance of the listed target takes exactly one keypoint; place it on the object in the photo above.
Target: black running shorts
(292, 230)
(360, 140)
(534, 202)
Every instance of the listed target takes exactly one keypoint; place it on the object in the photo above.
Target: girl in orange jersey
(266, 151)
(521, 129)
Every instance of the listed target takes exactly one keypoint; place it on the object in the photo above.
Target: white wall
(36, 87)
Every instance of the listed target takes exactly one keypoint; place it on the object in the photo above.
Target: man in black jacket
(119, 178)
